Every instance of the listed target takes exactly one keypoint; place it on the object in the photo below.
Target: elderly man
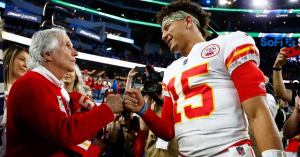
(39, 120)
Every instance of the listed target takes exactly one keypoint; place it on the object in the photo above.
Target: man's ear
(47, 56)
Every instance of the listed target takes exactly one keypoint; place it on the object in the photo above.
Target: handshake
(132, 101)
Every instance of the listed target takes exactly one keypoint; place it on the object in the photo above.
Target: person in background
(291, 130)
(75, 87)
(15, 65)
(209, 90)
(279, 87)
(290, 96)
(146, 143)
(155, 146)
(15, 60)
(39, 122)
(74, 81)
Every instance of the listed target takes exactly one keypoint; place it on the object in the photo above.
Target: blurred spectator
(74, 85)
(73, 81)
(279, 88)
(154, 146)
(146, 143)
(39, 122)
(96, 86)
(290, 129)
(283, 113)
(15, 65)
(86, 78)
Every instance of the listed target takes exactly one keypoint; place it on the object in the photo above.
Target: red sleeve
(34, 107)
(162, 127)
(74, 105)
(249, 81)
(80, 102)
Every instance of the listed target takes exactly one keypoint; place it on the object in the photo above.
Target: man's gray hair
(42, 42)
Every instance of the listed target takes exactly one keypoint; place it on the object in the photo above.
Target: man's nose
(75, 52)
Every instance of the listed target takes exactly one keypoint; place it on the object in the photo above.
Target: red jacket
(36, 124)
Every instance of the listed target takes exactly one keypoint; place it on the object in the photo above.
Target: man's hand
(134, 100)
(281, 59)
(114, 101)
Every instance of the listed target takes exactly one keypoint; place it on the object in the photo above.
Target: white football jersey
(207, 111)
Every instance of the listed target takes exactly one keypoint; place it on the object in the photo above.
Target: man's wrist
(277, 65)
(143, 109)
(276, 68)
(273, 153)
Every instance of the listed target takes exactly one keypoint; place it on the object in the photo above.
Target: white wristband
(273, 153)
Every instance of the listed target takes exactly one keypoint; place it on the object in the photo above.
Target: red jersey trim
(239, 52)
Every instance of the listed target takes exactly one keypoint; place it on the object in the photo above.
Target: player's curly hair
(189, 7)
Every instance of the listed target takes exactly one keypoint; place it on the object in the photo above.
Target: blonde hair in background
(8, 58)
(78, 84)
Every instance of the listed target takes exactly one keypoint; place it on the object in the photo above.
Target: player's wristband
(276, 69)
(273, 153)
(143, 110)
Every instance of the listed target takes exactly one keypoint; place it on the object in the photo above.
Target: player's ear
(188, 22)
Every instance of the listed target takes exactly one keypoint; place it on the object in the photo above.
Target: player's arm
(278, 84)
(252, 96)
(162, 127)
(291, 127)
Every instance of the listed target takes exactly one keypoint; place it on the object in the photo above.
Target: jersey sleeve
(241, 48)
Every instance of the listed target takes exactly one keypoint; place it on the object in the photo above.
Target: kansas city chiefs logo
(210, 51)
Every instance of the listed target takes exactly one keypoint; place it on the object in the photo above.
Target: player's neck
(193, 41)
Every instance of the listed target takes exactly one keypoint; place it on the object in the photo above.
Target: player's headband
(176, 16)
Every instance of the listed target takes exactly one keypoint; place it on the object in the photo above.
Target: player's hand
(281, 58)
(133, 100)
(114, 101)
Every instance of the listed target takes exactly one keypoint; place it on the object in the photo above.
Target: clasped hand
(133, 100)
